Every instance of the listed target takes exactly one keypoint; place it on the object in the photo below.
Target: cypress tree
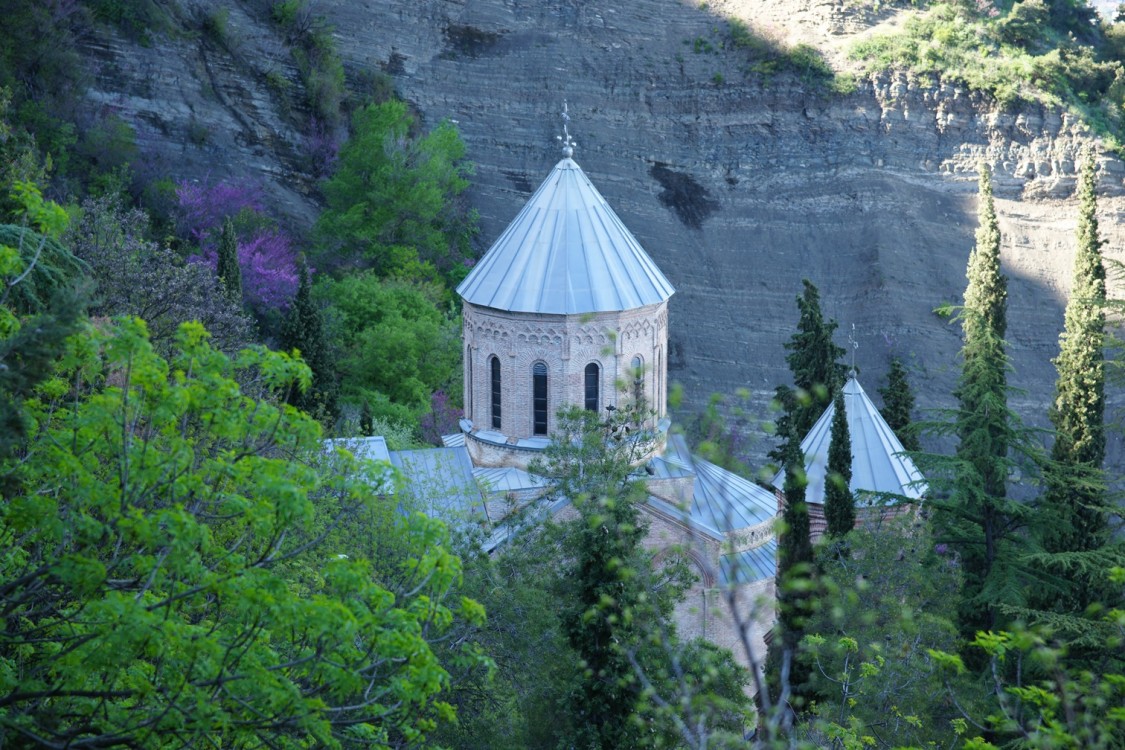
(227, 268)
(795, 582)
(303, 330)
(898, 405)
(813, 359)
(1074, 506)
(839, 505)
(978, 519)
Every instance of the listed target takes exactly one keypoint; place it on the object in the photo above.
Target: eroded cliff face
(738, 186)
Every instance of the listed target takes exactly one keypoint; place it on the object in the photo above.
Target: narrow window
(638, 379)
(539, 398)
(469, 381)
(593, 376)
(495, 364)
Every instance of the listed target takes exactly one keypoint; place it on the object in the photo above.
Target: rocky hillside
(738, 183)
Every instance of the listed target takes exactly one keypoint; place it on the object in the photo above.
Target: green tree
(39, 309)
(136, 277)
(393, 203)
(395, 344)
(179, 571)
(977, 517)
(303, 331)
(813, 358)
(884, 606)
(605, 610)
(898, 406)
(615, 606)
(227, 269)
(1075, 510)
(839, 504)
(1039, 699)
(788, 674)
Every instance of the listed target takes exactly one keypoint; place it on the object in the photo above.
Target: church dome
(566, 253)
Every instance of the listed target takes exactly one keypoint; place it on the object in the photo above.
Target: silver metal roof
(566, 252)
(507, 479)
(749, 565)
(441, 483)
(878, 463)
(722, 501)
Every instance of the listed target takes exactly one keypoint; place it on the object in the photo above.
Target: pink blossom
(204, 207)
(269, 269)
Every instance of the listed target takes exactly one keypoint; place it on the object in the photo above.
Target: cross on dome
(568, 143)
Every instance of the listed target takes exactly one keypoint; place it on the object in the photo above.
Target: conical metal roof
(878, 463)
(566, 252)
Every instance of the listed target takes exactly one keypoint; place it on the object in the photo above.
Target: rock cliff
(738, 185)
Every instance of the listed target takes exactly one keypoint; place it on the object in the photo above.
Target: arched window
(494, 364)
(593, 386)
(539, 398)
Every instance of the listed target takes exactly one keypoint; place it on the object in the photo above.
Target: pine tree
(839, 505)
(227, 268)
(898, 405)
(978, 519)
(813, 358)
(1074, 506)
(303, 330)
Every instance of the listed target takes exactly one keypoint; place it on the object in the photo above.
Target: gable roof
(878, 463)
(566, 252)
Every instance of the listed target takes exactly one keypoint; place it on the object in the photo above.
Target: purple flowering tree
(265, 252)
(202, 206)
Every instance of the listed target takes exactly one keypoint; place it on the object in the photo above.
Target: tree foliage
(813, 358)
(884, 607)
(33, 329)
(978, 519)
(393, 202)
(898, 405)
(136, 277)
(227, 268)
(636, 680)
(395, 346)
(796, 581)
(303, 332)
(177, 572)
(1078, 510)
(839, 504)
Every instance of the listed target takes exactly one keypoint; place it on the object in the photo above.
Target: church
(564, 309)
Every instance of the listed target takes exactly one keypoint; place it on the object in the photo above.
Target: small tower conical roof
(565, 253)
(878, 463)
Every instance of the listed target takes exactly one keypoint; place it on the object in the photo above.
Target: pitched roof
(722, 501)
(878, 463)
(565, 253)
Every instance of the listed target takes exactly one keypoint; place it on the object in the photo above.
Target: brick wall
(566, 344)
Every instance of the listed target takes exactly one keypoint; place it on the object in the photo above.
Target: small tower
(565, 308)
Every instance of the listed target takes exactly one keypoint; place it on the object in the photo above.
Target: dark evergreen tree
(898, 405)
(366, 420)
(1074, 507)
(611, 605)
(839, 505)
(303, 330)
(227, 268)
(813, 359)
(977, 518)
(796, 581)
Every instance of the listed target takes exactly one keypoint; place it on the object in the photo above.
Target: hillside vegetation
(1056, 52)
